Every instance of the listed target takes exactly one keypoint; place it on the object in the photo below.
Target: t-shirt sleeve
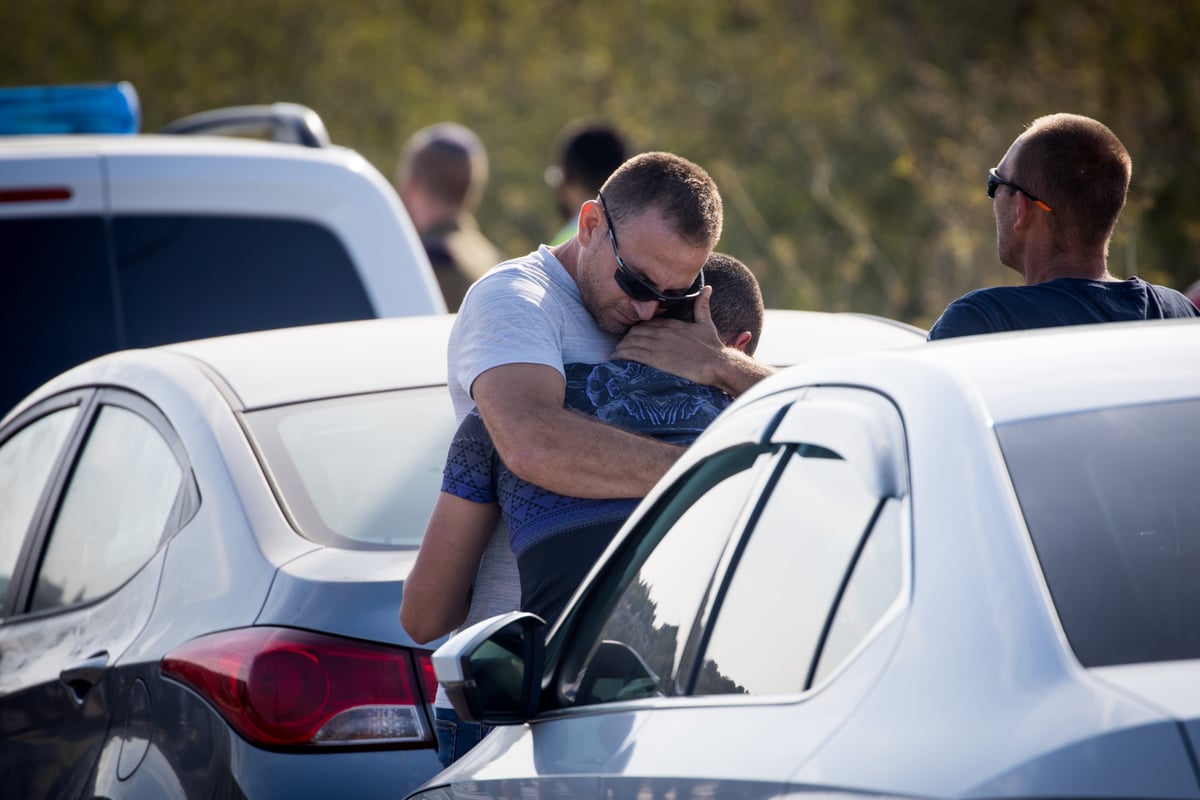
(470, 468)
(508, 318)
(960, 319)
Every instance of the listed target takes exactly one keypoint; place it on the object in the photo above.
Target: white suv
(116, 241)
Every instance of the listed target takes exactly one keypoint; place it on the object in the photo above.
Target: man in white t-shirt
(520, 324)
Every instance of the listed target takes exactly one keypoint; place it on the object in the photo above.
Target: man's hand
(690, 350)
(693, 350)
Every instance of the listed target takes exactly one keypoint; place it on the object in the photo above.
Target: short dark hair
(449, 160)
(684, 193)
(589, 153)
(736, 304)
(1080, 169)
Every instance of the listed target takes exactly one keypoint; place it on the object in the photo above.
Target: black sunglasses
(634, 285)
(995, 181)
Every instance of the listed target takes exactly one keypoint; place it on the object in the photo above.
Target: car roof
(795, 337)
(150, 144)
(277, 367)
(289, 365)
(1028, 374)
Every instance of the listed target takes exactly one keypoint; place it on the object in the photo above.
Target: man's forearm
(735, 372)
(579, 456)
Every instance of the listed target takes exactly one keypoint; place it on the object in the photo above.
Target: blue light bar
(83, 108)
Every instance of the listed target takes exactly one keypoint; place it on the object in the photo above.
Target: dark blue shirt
(1062, 301)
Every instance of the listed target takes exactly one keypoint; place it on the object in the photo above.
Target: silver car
(202, 553)
(964, 569)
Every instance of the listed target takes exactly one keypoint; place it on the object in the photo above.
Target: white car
(203, 547)
(965, 569)
(114, 241)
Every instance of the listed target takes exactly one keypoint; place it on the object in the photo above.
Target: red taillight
(428, 678)
(37, 194)
(281, 687)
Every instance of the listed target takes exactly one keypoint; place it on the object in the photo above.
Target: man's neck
(1047, 266)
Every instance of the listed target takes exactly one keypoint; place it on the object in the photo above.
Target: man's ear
(590, 217)
(741, 341)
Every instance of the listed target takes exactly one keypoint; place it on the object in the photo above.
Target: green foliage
(850, 140)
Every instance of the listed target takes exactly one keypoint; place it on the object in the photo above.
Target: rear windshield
(1112, 502)
(360, 471)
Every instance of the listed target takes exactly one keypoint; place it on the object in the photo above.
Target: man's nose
(646, 310)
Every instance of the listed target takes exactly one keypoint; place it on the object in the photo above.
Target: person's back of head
(447, 162)
(1081, 170)
(682, 191)
(736, 305)
(588, 154)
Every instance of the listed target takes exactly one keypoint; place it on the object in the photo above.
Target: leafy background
(850, 139)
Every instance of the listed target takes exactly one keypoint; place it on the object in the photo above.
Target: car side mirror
(492, 671)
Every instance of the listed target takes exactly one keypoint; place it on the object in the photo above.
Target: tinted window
(114, 512)
(1111, 501)
(25, 463)
(785, 585)
(364, 469)
(56, 301)
(875, 585)
(191, 277)
(639, 644)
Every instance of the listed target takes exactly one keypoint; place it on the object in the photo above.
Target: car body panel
(1000, 707)
(319, 586)
(122, 241)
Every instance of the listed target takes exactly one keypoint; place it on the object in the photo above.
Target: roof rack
(278, 122)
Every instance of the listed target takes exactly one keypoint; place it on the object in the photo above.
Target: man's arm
(437, 591)
(562, 450)
(692, 350)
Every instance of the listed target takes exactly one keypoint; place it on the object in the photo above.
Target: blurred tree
(850, 141)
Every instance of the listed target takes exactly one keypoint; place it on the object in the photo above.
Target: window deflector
(585, 633)
(861, 426)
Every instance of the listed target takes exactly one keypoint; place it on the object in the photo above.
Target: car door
(745, 614)
(99, 481)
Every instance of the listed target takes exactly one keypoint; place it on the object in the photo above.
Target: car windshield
(1110, 500)
(359, 471)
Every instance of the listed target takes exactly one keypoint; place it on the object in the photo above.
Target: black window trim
(612, 582)
(91, 400)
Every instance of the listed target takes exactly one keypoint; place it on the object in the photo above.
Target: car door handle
(81, 677)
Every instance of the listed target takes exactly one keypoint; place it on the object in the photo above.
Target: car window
(1111, 503)
(875, 586)
(191, 277)
(56, 303)
(114, 511)
(772, 618)
(361, 470)
(26, 459)
(638, 644)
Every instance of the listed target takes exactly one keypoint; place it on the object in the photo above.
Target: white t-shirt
(524, 311)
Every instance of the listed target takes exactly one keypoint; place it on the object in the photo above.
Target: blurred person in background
(441, 177)
(1056, 196)
(587, 154)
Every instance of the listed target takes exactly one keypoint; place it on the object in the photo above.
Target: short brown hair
(682, 191)
(1080, 169)
(449, 161)
(736, 304)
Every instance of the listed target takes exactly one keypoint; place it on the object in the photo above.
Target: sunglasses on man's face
(634, 285)
(995, 182)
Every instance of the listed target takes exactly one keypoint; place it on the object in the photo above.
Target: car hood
(353, 593)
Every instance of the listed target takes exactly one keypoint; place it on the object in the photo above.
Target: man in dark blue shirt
(1056, 196)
